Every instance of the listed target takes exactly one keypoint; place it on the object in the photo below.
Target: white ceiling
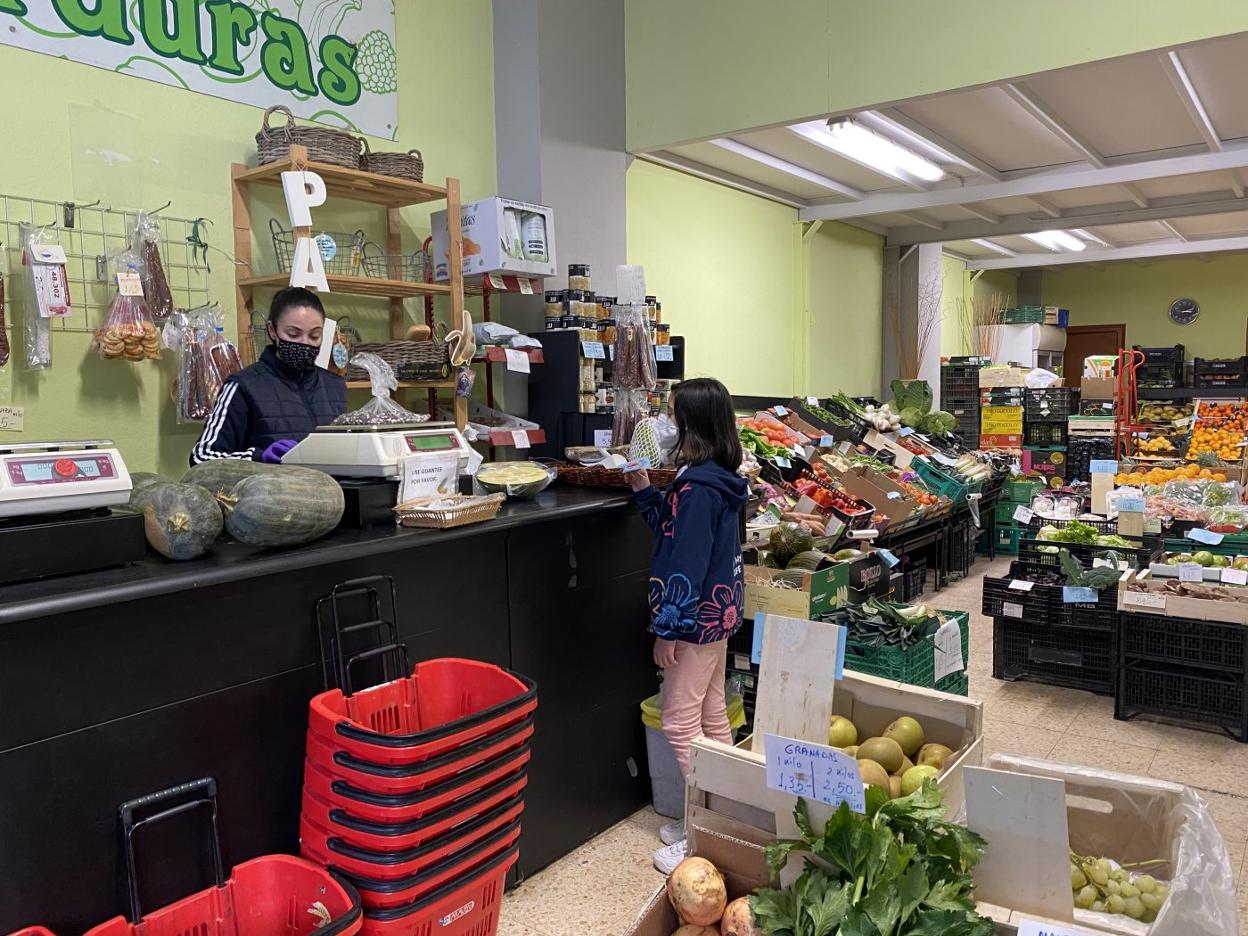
(1148, 149)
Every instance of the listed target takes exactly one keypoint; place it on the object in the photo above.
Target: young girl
(696, 587)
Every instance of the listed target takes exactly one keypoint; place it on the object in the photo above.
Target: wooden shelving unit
(351, 184)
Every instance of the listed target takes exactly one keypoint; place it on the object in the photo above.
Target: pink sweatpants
(693, 697)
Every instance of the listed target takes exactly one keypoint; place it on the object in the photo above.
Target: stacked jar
(556, 308)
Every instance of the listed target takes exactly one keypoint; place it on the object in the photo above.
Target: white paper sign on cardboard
(1010, 609)
(1028, 927)
(602, 438)
(947, 652)
(1023, 514)
(1022, 585)
(496, 282)
(526, 286)
(813, 771)
(517, 361)
(1143, 599)
(12, 418)
(520, 438)
(1191, 572)
(1229, 576)
(428, 474)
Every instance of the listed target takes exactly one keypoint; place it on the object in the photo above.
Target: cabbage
(911, 416)
(1048, 532)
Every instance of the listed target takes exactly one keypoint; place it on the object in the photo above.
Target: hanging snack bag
(146, 246)
(635, 368)
(128, 332)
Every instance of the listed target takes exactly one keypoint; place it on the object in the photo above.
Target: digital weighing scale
(375, 451)
(54, 477)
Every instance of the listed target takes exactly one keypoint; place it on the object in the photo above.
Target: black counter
(124, 681)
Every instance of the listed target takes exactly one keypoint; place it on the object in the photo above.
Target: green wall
(178, 147)
(763, 312)
(704, 68)
(1140, 296)
(957, 286)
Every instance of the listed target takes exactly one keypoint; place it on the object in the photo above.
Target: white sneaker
(672, 832)
(669, 856)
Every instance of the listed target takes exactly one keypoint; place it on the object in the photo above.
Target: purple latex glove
(274, 453)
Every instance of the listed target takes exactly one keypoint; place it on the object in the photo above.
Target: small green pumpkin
(220, 475)
(285, 507)
(181, 520)
(140, 483)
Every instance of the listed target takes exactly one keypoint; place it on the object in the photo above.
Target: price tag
(1235, 576)
(1207, 537)
(1143, 599)
(663, 353)
(1022, 585)
(1191, 572)
(517, 361)
(1102, 466)
(520, 438)
(894, 495)
(1036, 928)
(1023, 514)
(904, 431)
(12, 418)
(827, 442)
(1130, 505)
(947, 652)
(889, 559)
(782, 461)
(526, 286)
(496, 281)
(49, 253)
(593, 350)
(129, 284)
(602, 438)
(1010, 609)
(637, 464)
(630, 285)
(1184, 422)
(781, 411)
(812, 401)
(814, 772)
(1072, 594)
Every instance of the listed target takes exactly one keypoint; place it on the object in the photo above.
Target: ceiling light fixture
(1090, 237)
(854, 141)
(1056, 240)
(775, 162)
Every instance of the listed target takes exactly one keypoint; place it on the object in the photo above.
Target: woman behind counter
(265, 409)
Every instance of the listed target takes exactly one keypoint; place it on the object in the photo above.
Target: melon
(181, 521)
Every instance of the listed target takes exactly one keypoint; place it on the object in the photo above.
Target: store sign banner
(332, 61)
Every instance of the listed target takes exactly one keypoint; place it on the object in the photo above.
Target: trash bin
(667, 785)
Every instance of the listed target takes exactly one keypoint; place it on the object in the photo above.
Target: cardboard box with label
(819, 592)
(1141, 593)
(1097, 388)
(501, 235)
(885, 495)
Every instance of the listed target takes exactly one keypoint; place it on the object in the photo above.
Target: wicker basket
(454, 510)
(324, 144)
(413, 267)
(348, 250)
(409, 165)
(428, 360)
(588, 476)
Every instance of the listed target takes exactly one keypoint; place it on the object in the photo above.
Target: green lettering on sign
(181, 41)
(338, 78)
(232, 25)
(107, 18)
(285, 58)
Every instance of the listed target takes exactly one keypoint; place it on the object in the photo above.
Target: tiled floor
(597, 890)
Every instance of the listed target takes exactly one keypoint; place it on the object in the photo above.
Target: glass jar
(608, 331)
(606, 306)
(554, 309)
(658, 312)
(651, 308)
(578, 276)
(663, 334)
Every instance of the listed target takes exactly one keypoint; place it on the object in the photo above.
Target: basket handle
(417, 153)
(389, 631)
(280, 109)
(275, 227)
(204, 793)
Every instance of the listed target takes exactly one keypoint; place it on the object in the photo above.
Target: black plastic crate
(1049, 403)
(1101, 526)
(1213, 381)
(1185, 695)
(1045, 433)
(1212, 366)
(960, 555)
(742, 641)
(1080, 453)
(1173, 355)
(1061, 656)
(1044, 552)
(913, 580)
(1159, 376)
(1100, 615)
(999, 600)
(1184, 641)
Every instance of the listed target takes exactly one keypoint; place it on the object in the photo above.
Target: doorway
(1085, 340)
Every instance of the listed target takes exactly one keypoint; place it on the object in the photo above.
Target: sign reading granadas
(328, 60)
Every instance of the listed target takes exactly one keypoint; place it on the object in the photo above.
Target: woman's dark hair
(706, 423)
(293, 297)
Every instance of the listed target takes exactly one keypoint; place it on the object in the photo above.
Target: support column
(911, 297)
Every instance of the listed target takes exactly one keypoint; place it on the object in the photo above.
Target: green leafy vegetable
(1098, 577)
(912, 393)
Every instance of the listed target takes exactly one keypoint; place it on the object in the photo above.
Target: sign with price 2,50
(814, 772)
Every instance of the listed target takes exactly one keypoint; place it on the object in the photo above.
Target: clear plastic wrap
(146, 246)
(1202, 492)
(630, 406)
(128, 332)
(37, 313)
(4, 333)
(380, 410)
(513, 478)
(206, 359)
(634, 367)
(1133, 819)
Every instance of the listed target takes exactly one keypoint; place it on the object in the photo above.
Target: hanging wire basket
(412, 268)
(341, 254)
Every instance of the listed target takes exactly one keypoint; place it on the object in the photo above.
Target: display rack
(353, 185)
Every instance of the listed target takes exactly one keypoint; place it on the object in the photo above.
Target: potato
(697, 892)
(739, 920)
(691, 930)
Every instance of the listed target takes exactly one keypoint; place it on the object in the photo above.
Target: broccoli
(376, 63)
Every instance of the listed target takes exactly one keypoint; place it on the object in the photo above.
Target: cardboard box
(887, 496)
(902, 457)
(1002, 377)
(1000, 441)
(1097, 388)
(1160, 601)
(820, 592)
(494, 239)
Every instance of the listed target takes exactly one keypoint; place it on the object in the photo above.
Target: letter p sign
(304, 191)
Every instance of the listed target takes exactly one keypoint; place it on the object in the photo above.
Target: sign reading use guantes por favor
(332, 61)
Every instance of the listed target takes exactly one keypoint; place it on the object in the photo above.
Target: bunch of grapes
(1099, 886)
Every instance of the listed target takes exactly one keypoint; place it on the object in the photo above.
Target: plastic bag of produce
(1128, 820)
(128, 332)
(146, 246)
(634, 367)
(380, 410)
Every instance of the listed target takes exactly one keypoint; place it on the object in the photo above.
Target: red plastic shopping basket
(409, 778)
(379, 894)
(394, 836)
(345, 856)
(468, 907)
(410, 807)
(277, 895)
(33, 931)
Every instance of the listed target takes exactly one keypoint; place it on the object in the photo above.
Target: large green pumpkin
(140, 483)
(787, 540)
(181, 521)
(220, 475)
(286, 507)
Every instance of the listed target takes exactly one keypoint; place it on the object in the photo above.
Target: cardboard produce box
(886, 495)
(819, 593)
(1097, 388)
(1160, 600)
(1002, 377)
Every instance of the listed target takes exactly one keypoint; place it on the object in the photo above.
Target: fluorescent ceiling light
(1056, 240)
(856, 142)
(799, 172)
(994, 246)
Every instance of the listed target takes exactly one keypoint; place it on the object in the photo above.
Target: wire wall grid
(90, 234)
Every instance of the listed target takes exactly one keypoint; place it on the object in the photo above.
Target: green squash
(788, 539)
(220, 475)
(809, 561)
(285, 507)
(181, 521)
(140, 483)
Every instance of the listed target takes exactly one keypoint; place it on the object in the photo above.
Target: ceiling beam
(1195, 107)
(1236, 185)
(895, 122)
(995, 247)
(1095, 238)
(1139, 253)
(1046, 206)
(1064, 178)
(981, 213)
(1173, 230)
(1059, 128)
(1137, 196)
(1161, 209)
(783, 165)
(920, 219)
(702, 171)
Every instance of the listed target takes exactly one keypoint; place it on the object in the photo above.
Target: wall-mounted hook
(70, 211)
(161, 208)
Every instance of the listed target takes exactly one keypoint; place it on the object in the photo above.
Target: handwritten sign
(602, 438)
(781, 411)
(1102, 466)
(663, 353)
(1036, 928)
(826, 441)
(630, 285)
(812, 401)
(947, 650)
(1207, 537)
(1144, 599)
(1023, 514)
(429, 474)
(1191, 572)
(814, 772)
(526, 286)
(520, 438)
(593, 350)
(517, 361)
(1010, 609)
(782, 461)
(1022, 585)
(496, 282)
(12, 418)
(889, 559)
(1235, 576)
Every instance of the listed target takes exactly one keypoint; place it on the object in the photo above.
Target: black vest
(285, 404)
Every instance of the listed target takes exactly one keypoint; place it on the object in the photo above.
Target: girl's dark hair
(293, 297)
(706, 423)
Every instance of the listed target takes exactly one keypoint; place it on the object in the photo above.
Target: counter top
(230, 561)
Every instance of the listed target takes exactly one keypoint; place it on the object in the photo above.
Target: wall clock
(1184, 311)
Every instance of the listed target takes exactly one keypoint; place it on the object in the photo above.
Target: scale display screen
(431, 443)
(59, 470)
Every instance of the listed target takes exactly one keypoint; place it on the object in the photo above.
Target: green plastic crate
(915, 666)
(1021, 490)
(1004, 514)
(1007, 539)
(1023, 315)
(941, 483)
